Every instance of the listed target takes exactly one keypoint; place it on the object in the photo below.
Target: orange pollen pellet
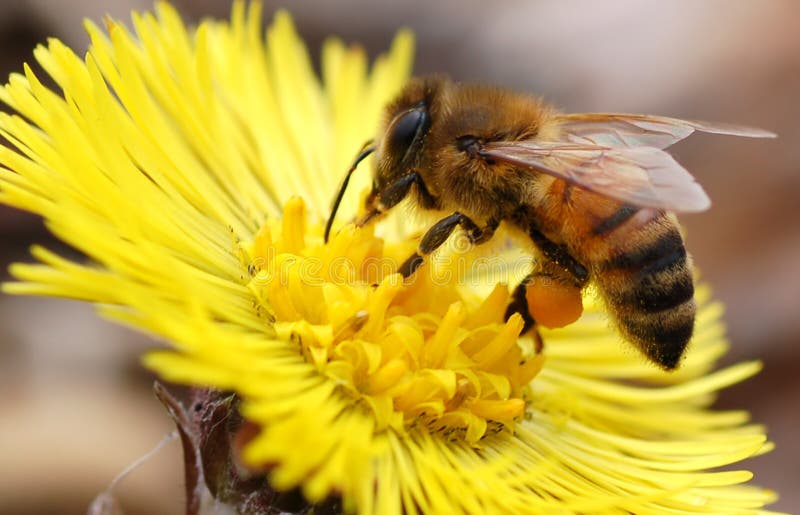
(553, 304)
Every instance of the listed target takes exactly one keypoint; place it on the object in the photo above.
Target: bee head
(398, 153)
(400, 144)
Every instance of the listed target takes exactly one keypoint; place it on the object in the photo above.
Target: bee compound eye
(406, 127)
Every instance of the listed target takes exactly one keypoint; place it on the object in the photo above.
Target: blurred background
(76, 407)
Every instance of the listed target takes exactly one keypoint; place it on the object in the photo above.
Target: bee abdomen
(649, 288)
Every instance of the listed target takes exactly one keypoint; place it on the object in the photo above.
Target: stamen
(414, 354)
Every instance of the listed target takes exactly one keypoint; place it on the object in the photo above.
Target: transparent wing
(639, 130)
(642, 176)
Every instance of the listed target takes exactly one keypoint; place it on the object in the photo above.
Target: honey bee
(596, 194)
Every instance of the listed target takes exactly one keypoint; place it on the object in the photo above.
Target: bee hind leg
(551, 294)
(519, 304)
(558, 255)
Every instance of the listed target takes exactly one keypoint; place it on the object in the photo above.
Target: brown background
(75, 406)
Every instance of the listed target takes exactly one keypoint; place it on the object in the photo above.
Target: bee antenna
(366, 150)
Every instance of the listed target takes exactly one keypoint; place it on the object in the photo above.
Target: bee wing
(640, 130)
(642, 176)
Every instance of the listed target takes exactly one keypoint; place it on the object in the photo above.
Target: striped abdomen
(640, 265)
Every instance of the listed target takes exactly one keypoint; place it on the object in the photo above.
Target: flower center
(413, 352)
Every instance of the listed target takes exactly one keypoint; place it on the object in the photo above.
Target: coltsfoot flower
(194, 168)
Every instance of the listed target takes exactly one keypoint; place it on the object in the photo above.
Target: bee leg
(554, 289)
(397, 191)
(438, 234)
(379, 201)
(392, 194)
(519, 304)
(559, 255)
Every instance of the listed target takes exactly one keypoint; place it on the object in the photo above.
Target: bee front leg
(381, 200)
(438, 234)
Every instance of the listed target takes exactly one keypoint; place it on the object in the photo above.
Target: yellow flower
(195, 169)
